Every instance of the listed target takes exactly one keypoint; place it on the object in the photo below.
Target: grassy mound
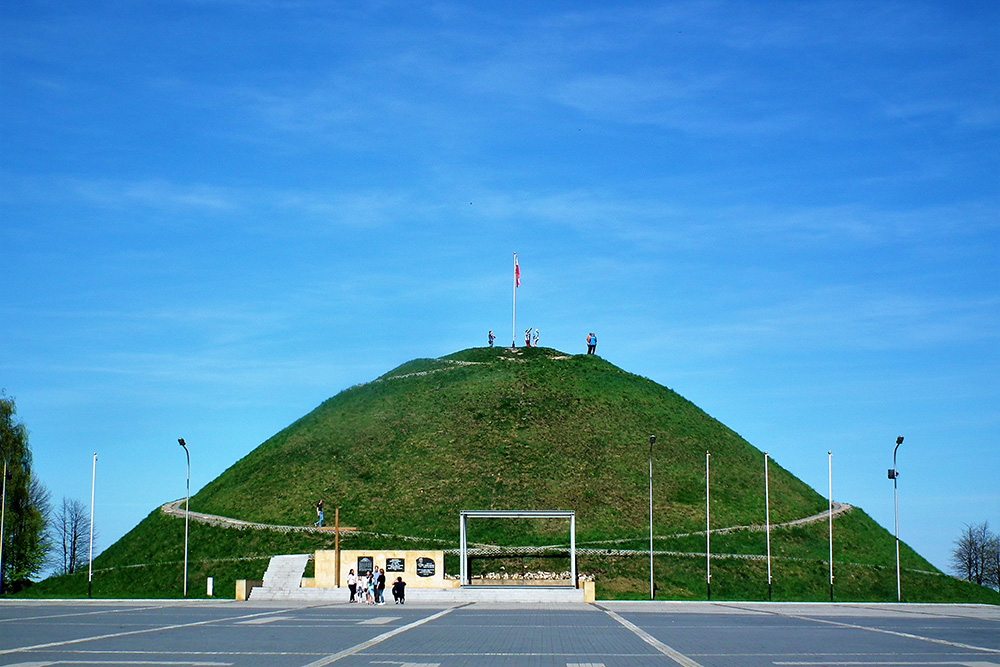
(519, 429)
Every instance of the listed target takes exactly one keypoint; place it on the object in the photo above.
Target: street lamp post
(187, 512)
(652, 590)
(894, 475)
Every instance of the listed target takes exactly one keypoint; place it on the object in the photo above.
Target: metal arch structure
(465, 515)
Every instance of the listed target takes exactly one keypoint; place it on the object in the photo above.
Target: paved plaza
(216, 634)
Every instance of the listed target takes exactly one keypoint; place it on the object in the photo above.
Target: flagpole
(513, 310)
(767, 523)
(829, 456)
(708, 531)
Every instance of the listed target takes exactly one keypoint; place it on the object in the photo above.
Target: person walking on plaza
(399, 591)
(352, 584)
(319, 513)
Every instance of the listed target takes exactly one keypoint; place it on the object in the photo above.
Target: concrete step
(464, 595)
(282, 578)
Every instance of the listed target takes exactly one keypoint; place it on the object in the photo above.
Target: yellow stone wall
(326, 567)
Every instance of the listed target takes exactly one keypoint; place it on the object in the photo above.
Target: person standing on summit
(592, 343)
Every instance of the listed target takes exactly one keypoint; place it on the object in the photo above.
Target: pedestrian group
(531, 339)
(370, 588)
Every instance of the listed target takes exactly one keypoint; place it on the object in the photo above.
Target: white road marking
(121, 662)
(671, 653)
(833, 663)
(82, 613)
(301, 622)
(112, 635)
(379, 620)
(330, 659)
(584, 664)
(907, 635)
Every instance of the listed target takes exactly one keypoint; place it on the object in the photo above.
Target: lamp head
(899, 440)
(652, 439)
(181, 441)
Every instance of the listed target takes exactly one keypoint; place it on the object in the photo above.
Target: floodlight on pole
(652, 590)
(894, 475)
(187, 512)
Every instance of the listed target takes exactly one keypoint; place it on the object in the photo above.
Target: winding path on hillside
(589, 548)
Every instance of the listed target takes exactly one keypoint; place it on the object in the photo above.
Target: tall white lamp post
(894, 475)
(187, 512)
(652, 590)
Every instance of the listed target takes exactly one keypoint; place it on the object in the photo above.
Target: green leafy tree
(25, 544)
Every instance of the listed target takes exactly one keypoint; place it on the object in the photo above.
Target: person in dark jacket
(399, 591)
(380, 587)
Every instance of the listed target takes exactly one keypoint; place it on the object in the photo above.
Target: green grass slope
(523, 429)
(494, 429)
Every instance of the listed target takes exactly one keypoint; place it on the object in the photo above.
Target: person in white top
(352, 584)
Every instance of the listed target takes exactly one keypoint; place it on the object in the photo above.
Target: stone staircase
(283, 579)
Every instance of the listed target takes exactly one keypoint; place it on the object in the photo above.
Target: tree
(26, 504)
(993, 563)
(975, 555)
(71, 532)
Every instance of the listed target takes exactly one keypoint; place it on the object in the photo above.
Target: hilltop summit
(497, 428)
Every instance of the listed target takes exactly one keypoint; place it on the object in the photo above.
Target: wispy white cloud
(846, 318)
(639, 219)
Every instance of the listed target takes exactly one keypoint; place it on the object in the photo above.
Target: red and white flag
(517, 272)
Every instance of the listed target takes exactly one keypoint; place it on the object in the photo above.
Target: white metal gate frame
(465, 515)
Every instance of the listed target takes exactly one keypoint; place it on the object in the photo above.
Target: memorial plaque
(395, 565)
(365, 565)
(425, 567)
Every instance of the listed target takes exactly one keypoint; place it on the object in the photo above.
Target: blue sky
(216, 214)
